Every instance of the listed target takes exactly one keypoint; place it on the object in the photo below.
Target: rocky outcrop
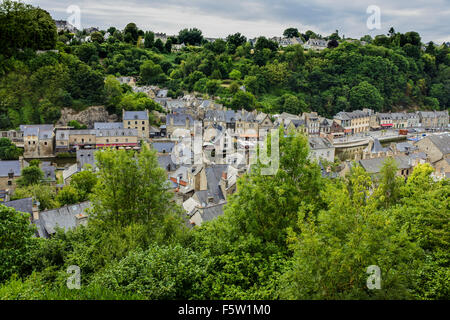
(87, 116)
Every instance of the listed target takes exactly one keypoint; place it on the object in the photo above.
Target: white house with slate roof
(315, 44)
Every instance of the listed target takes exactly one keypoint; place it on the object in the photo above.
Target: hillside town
(227, 139)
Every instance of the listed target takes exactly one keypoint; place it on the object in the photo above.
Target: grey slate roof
(43, 131)
(215, 115)
(179, 119)
(442, 142)
(213, 177)
(212, 212)
(163, 147)
(7, 166)
(298, 123)
(116, 133)
(64, 217)
(175, 104)
(377, 147)
(108, 125)
(319, 143)
(135, 115)
(405, 147)
(374, 165)
(49, 171)
(230, 116)
(22, 205)
(85, 156)
(165, 162)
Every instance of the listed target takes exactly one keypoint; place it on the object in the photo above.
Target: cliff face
(87, 117)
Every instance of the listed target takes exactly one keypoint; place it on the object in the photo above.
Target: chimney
(81, 219)
(35, 210)
(224, 175)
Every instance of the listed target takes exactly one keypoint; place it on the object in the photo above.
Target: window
(135, 122)
(143, 128)
(45, 143)
(9, 182)
(129, 122)
(143, 122)
(107, 140)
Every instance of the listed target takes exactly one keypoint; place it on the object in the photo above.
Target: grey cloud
(264, 17)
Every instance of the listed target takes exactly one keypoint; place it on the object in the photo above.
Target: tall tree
(131, 188)
(16, 242)
(190, 36)
(291, 33)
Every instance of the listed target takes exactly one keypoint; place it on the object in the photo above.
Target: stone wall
(87, 116)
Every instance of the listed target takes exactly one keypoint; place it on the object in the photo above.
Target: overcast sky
(431, 18)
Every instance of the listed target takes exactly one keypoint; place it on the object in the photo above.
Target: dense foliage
(386, 73)
(292, 235)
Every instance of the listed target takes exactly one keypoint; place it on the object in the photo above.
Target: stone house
(405, 165)
(437, 147)
(312, 122)
(38, 140)
(138, 120)
(315, 44)
(10, 171)
(321, 148)
(354, 122)
(434, 119)
(413, 120)
(119, 138)
(176, 121)
(399, 120)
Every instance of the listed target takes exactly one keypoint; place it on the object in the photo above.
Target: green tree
(30, 175)
(158, 273)
(190, 36)
(150, 72)
(235, 74)
(293, 105)
(149, 39)
(291, 33)
(24, 26)
(159, 45)
(86, 51)
(248, 242)
(334, 250)
(131, 187)
(67, 195)
(44, 194)
(365, 95)
(130, 33)
(84, 182)
(8, 150)
(16, 242)
(243, 100)
(97, 37)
